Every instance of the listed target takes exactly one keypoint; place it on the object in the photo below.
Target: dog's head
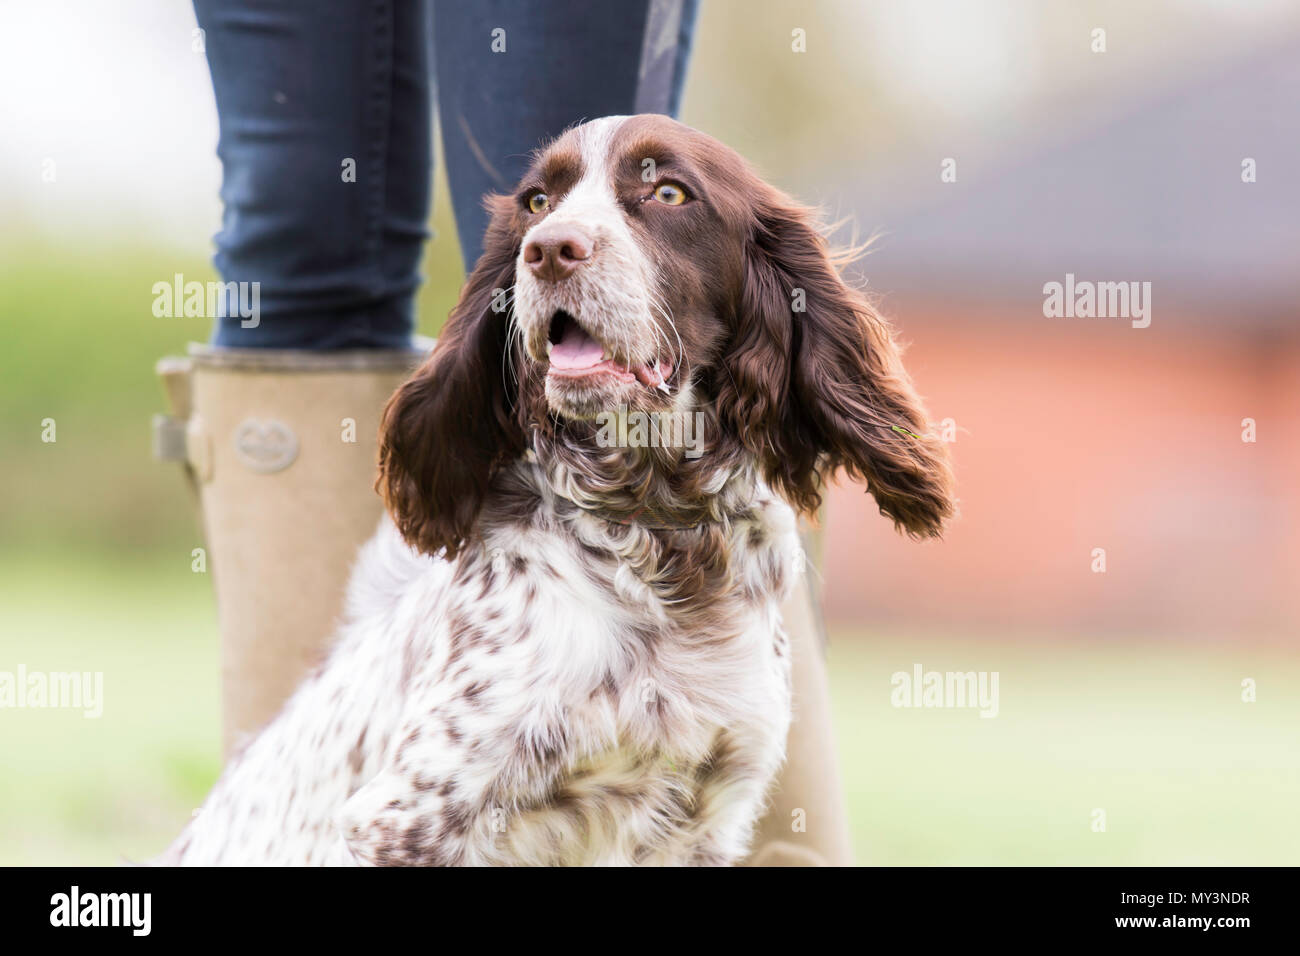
(643, 264)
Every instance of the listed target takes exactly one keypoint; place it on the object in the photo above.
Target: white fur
(611, 295)
(359, 767)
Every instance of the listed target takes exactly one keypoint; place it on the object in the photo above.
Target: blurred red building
(1080, 433)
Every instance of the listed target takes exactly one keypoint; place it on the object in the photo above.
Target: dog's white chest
(534, 702)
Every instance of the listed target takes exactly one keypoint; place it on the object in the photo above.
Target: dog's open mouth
(576, 354)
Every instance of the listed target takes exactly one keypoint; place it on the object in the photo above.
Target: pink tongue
(576, 349)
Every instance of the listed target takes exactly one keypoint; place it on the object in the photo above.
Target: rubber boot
(281, 446)
(805, 823)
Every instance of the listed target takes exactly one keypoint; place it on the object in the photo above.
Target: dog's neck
(690, 529)
(690, 551)
(658, 488)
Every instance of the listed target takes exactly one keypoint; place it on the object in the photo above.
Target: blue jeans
(325, 110)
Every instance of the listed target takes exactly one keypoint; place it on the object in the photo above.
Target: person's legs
(511, 74)
(326, 152)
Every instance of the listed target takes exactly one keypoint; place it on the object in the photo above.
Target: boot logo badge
(265, 446)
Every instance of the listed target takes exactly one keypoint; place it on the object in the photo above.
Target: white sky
(113, 94)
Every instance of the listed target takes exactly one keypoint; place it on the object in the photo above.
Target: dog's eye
(670, 194)
(538, 202)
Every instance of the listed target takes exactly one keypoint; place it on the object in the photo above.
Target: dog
(563, 646)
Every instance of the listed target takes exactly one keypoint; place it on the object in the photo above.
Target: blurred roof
(1150, 192)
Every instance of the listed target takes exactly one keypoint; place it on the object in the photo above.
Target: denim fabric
(309, 90)
(563, 62)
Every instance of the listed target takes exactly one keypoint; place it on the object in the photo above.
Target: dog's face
(641, 263)
(624, 252)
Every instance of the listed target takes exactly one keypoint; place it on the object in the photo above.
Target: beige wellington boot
(805, 824)
(282, 448)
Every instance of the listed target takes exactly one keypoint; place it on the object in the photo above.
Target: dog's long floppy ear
(445, 431)
(817, 383)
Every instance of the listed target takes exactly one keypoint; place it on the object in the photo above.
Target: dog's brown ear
(817, 382)
(445, 431)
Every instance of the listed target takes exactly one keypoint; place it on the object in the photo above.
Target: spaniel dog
(565, 647)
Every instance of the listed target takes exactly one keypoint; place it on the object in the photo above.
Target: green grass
(78, 790)
(1153, 733)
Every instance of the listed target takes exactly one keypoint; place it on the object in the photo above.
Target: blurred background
(1119, 690)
